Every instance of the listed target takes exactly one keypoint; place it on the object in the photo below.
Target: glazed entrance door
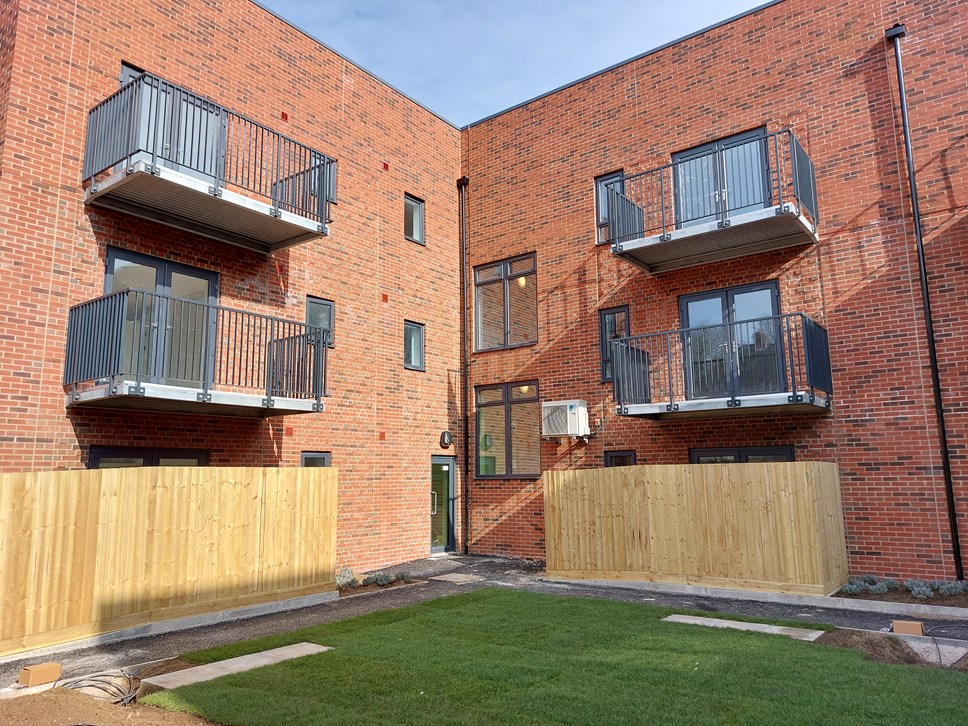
(442, 504)
(168, 330)
(730, 342)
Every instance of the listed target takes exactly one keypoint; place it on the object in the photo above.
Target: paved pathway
(492, 572)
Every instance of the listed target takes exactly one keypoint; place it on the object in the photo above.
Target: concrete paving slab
(795, 633)
(458, 578)
(938, 654)
(211, 671)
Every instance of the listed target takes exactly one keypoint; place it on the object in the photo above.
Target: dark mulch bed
(346, 591)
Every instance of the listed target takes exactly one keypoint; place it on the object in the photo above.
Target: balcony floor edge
(179, 399)
(715, 407)
(183, 201)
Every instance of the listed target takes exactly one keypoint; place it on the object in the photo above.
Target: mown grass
(500, 656)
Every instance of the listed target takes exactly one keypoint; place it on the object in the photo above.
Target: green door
(442, 504)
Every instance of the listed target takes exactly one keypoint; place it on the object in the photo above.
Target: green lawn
(501, 656)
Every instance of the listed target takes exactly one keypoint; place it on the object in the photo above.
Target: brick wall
(824, 70)
(382, 423)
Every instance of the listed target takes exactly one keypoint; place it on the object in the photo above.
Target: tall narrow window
(506, 303)
(413, 219)
(321, 313)
(601, 201)
(509, 430)
(613, 323)
(413, 346)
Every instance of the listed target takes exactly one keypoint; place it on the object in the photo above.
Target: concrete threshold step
(221, 668)
(795, 633)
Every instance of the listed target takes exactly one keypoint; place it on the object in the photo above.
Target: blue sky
(467, 60)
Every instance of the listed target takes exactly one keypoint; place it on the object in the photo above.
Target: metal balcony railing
(785, 354)
(717, 186)
(150, 338)
(152, 120)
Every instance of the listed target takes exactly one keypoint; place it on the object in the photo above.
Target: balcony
(740, 198)
(778, 364)
(161, 152)
(133, 349)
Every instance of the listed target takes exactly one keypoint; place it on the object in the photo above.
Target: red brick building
(730, 213)
(672, 130)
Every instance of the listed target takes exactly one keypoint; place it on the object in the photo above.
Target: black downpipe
(465, 408)
(895, 34)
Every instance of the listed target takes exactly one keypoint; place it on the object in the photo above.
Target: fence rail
(155, 338)
(776, 526)
(780, 354)
(714, 186)
(90, 552)
(151, 120)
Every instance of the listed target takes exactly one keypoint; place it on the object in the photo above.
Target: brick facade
(825, 71)
(382, 423)
(821, 69)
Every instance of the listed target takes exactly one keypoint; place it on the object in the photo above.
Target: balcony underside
(714, 407)
(762, 230)
(179, 399)
(184, 201)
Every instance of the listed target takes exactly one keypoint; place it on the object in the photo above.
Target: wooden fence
(776, 526)
(90, 552)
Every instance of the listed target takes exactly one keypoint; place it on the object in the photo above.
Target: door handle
(433, 507)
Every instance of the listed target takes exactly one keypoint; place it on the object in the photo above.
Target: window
(619, 458)
(413, 345)
(601, 201)
(509, 430)
(322, 313)
(413, 219)
(116, 457)
(506, 304)
(613, 323)
(749, 455)
(315, 458)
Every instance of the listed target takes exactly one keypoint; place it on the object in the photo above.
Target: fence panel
(773, 526)
(90, 552)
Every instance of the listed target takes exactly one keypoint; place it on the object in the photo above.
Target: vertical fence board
(764, 526)
(88, 552)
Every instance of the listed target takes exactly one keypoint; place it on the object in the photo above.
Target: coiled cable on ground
(112, 686)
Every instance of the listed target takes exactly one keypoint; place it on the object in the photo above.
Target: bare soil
(881, 647)
(902, 595)
(63, 707)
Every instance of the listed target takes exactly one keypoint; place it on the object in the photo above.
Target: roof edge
(335, 52)
(633, 59)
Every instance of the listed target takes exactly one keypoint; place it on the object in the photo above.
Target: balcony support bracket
(268, 402)
(318, 406)
(136, 391)
(734, 403)
(324, 229)
(275, 212)
(670, 407)
(796, 398)
(215, 191)
(204, 397)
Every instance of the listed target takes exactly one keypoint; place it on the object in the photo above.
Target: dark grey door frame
(727, 295)
(451, 463)
(163, 275)
(716, 150)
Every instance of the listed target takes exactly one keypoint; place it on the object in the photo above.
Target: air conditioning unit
(564, 418)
